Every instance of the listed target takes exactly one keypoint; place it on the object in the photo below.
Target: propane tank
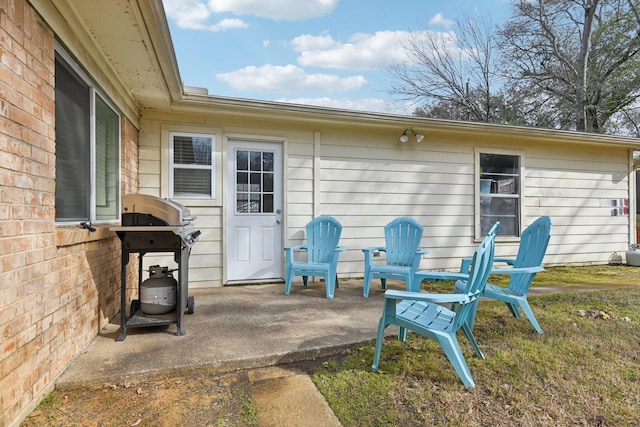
(158, 292)
(633, 255)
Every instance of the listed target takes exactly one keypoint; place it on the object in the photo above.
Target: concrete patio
(254, 328)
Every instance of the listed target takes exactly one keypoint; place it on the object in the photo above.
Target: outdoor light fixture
(404, 138)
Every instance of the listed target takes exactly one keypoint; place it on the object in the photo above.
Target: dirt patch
(197, 398)
(193, 400)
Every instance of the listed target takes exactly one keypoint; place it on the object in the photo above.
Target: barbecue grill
(151, 225)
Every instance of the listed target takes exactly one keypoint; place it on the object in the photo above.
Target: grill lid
(144, 209)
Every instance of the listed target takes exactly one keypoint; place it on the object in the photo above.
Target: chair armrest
(422, 251)
(369, 254)
(289, 251)
(419, 296)
(375, 248)
(439, 275)
(340, 248)
(466, 265)
(519, 270)
(509, 261)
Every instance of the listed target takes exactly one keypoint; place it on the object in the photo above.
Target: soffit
(132, 38)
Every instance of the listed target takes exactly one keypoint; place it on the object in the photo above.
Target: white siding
(366, 178)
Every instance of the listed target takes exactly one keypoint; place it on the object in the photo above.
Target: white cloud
(194, 15)
(361, 52)
(228, 24)
(307, 42)
(197, 14)
(288, 79)
(287, 10)
(438, 19)
(368, 51)
(187, 13)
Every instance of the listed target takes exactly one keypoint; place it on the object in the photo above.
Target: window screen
(87, 149)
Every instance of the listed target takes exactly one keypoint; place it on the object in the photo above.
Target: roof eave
(206, 104)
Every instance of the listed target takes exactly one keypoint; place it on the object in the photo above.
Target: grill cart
(152, 225)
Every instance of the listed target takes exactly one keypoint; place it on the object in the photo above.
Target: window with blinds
(191, 165)
(107, 160)
(87, 148)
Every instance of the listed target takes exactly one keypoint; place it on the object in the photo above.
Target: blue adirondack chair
(403, 253)
(522, 269)
(323, 236)
(424, 314)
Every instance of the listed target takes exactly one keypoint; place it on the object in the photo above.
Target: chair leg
(287, 282)
(376, 355)
(305, 280)
(383, 282)
(471, 320)
(524, 305)
(513, 308)
(402, 334)
(366, 283)
(468, 333)
(453, 352)
(331, 285)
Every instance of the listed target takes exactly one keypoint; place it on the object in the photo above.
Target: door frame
(226, 137)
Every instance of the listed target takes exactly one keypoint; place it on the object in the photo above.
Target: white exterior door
(254, 211)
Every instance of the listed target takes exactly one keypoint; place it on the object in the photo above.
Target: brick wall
(58, 285)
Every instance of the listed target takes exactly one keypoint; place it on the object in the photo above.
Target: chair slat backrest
(402, 239)
(323, 236)
(478, 275)
(533, 246)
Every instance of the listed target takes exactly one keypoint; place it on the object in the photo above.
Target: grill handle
(191, 238)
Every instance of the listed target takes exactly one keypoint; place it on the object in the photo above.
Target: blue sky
(331, 53)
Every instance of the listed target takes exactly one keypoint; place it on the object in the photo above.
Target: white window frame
(212, 167)
(94, 93)
(478, 192)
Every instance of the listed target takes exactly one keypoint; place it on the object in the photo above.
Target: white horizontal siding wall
(206, 258)
(365, 178)
(149, 167)
(366, 186)
(570, 186)
(367, 183)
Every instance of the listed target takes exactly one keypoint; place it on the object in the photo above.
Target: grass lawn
(584, 369)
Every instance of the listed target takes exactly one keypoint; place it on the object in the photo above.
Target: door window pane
(267, 162)
(254, 189)
(267, 179)
(256, 160)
